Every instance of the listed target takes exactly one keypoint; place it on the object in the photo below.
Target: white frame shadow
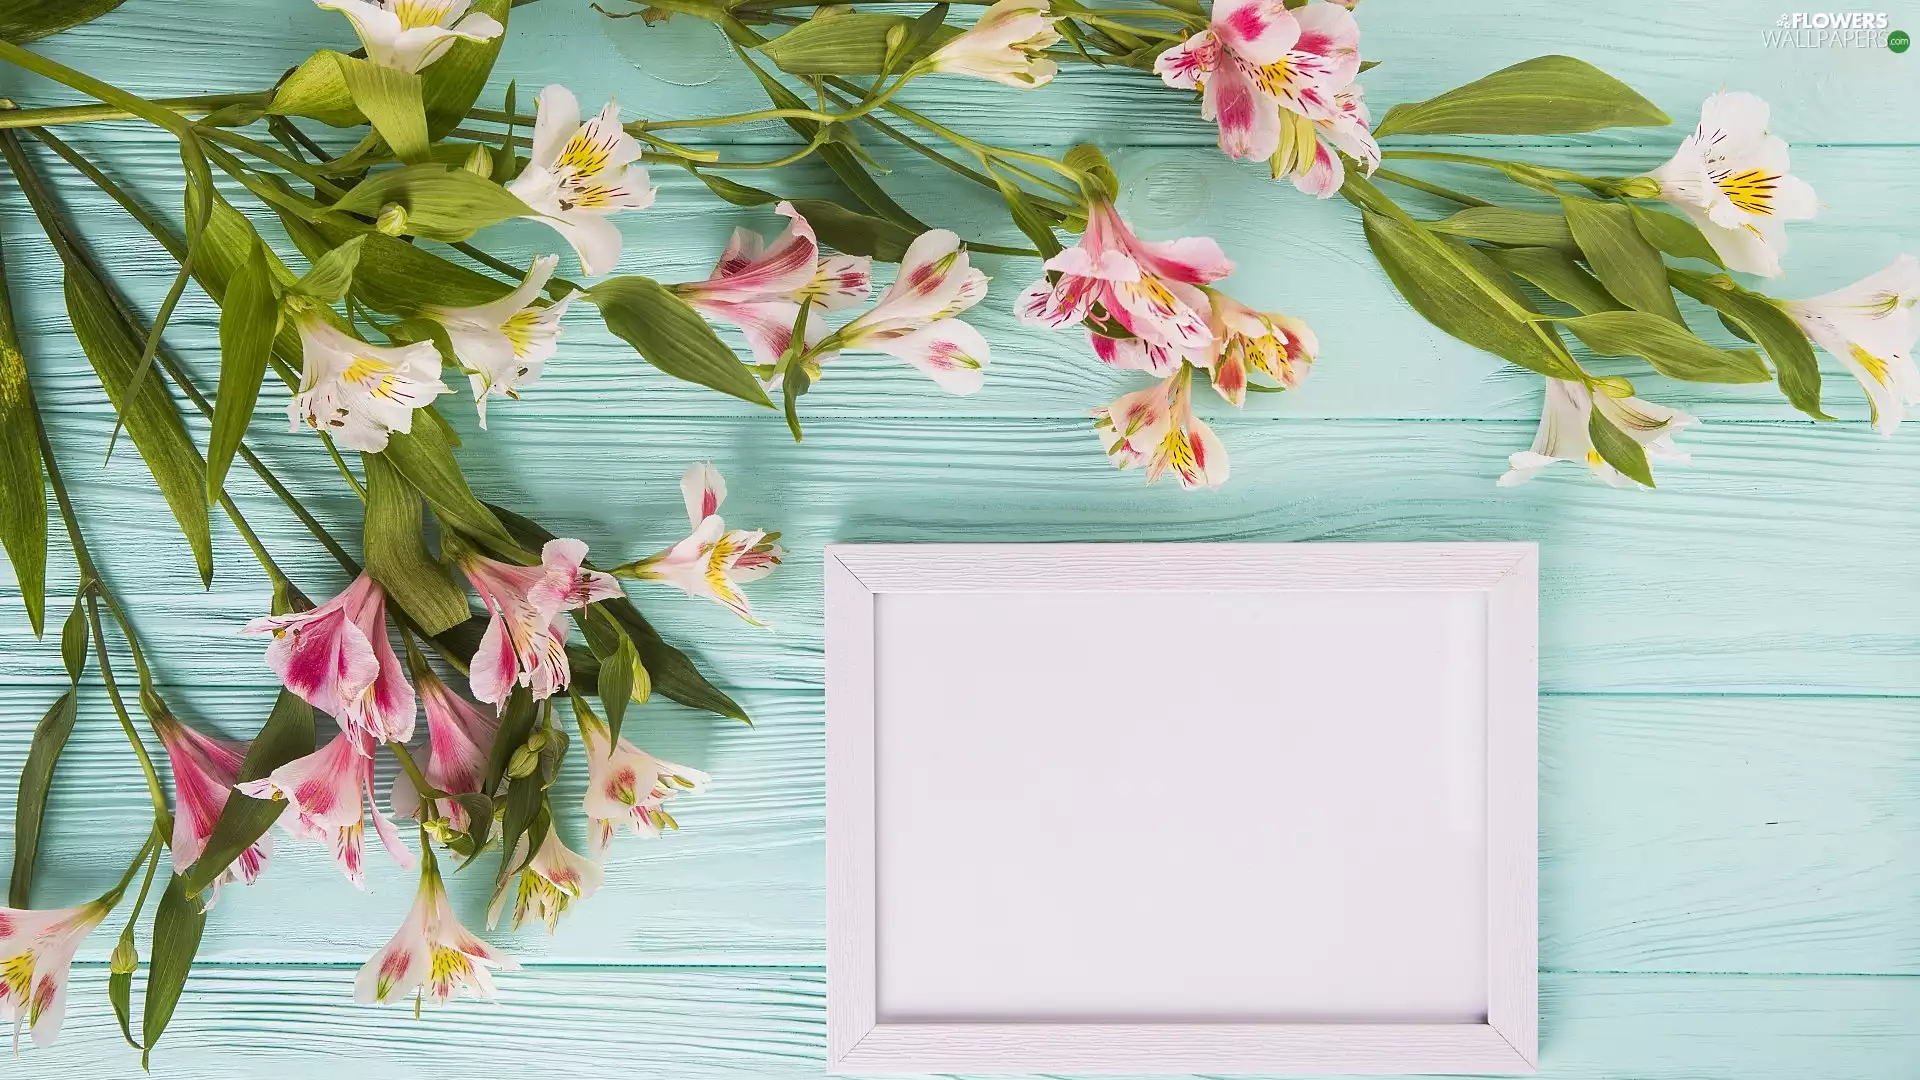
(1506, 1042)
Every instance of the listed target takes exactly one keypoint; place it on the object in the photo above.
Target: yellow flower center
(415, 14)
(1874, 366)
(1750, 191)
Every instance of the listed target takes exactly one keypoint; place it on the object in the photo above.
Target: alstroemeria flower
(459, 738)
(360, 393)
(526, 638)
(712, 561)
(338, 658)
(36, 950)
(204, 770)
(1156, 427)
(1562, 435)
(549, 885)
(325, 790)
(915, 319)
(1871, 327)
(1280, 347)
(431, 953)
(1259, 60)
(407, 35)
(626, 784)
(580, 174)
(1006, 45)
(758, 286)
(505, 344)
(1307, 151)
(1730, 176)
(1149, 290)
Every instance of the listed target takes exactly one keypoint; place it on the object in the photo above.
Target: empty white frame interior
(1150, 808)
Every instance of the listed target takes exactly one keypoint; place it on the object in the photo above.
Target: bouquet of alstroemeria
(395, 295)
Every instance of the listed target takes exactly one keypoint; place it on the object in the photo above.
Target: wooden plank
(1674, 54)
(1764, 567)
(1298, 255)
(240, 1022)
(1676, 834)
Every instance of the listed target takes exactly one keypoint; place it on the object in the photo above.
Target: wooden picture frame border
(858, 1042)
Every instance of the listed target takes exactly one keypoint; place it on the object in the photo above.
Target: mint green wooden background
(1730, 710)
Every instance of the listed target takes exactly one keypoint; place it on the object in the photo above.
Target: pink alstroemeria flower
(325, 790)
(338, 658)
(627, 784)
(916, 318)
(758, 287)
(1156, 427)
(204, 770)
(1280, 347)
(1307, 147)
(36, 950)
(1128, 286)
(712, 561)
(526, 638)
(1258, 60)
(431, 952)
(459, 738)
(555, 878)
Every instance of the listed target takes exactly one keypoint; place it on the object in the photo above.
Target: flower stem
(83, 114)
(159, 795)
(1418, 184)
(149, 853)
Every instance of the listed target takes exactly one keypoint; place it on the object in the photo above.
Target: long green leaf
(1673, 350)
(848, 44)
(397, 555)
(22, 21)
(395, 277)
(1554, 272)
(1617, 448)
(317, 89)
(177, 926)
(673, 337)
(151, 418)
(616, 681)
(332, 272)
(23, 487)
(1548, 95)
(1621, 258)
(425, 457)
(30, 804)
(1795, 366)
(249, 322)
(392, 101)
(837, 227)
(288, 734)
(1675, 235)
(516, 723)
(453, 83)
(442, 202)
(1502, 225)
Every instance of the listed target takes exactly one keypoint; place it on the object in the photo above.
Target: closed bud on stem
(392, 220)
(479, 162)
(126, 959)
(524, 761)
(1633, 187)
(1613, 386)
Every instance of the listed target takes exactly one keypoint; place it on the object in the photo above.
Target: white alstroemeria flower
(712, 561)
(555, 878)
(1871, 327)
(36, 952)
(1006, 45)
(580, 174)
(407, 35)
(1562, 435)
(915, 319)
(1156, 427)
(360, 393)
(1278, 346)
(431, 953)
(1730, 176)
(504, 345)
(627, 784)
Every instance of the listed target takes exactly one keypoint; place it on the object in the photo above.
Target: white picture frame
(934, 1000)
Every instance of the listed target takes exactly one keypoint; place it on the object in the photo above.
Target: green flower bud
(479, 162)
(125, 959)
(1613, 386)
(392, 220)
(1638, 187)
(523, 762)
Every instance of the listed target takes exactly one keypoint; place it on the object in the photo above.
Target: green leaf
(288, 734)
(30, 803)
(669, 669)
(525, 799)
(150, 417)
(1617, 448)
(1675, 235)
(332, 272)
(516, 723)
(317, 89)
(1548, 95)
(396, 277)
(177, 926)
(442, 202)
(392, 102)
(1501, 225)
(616, 681)
(397, 555)
(22, 21)
(837, 227)
(453, 83)
(1672, 349)
(1554, 272)
(73, 640)
(424, 457)
(854, 43)
(1027, 217)
(120, 996)
(673, 337)
(1755, 318)
(249, 322)
(1621, 258)
(23, 488)
(1458, 303)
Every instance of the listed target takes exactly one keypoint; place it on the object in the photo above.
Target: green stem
(277, 157)
(154, 789)
(1418, 184)
(149, 850)
(412, 769)
(84, 114)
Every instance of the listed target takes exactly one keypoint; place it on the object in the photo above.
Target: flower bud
(1638, 187)
(479, 162)
(538, 740)
(392, 220)
(125, 959)
(1613, 386)
(523, 762)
